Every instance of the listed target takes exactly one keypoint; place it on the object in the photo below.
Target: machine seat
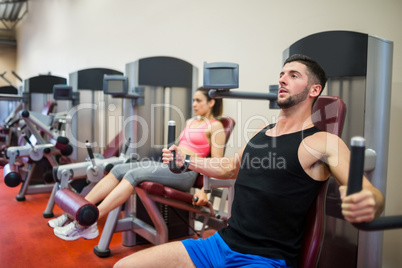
(161, 190)
(158, 189)
(328, 115)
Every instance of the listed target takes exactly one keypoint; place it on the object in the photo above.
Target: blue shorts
(214, 252)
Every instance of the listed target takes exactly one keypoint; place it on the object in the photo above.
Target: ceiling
(11, 12)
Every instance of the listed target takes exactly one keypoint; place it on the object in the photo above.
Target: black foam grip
(355, 182)
(171, 134)
(77, 207)
(126, 145)
(90, 152)
(356, 169)
(27, 139)
(170, 139)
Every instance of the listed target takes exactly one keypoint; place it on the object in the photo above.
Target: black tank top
(272, 197)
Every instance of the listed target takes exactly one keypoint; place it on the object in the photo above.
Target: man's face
(293, 85)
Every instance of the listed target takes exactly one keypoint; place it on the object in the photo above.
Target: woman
(203, 136)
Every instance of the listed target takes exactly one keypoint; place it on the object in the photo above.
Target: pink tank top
(195, 139)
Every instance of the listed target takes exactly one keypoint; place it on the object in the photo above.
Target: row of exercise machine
(138, 88)
(94, 169)
(45, 142)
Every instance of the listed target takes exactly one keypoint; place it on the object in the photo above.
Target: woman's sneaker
(59, 221)
(73, 231)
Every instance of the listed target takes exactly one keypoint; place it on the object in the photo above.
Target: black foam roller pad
(77, 207)
(67, 151)
(61, 146)
(25, 114)
(62, 140)
(11, 176)
(62, 143)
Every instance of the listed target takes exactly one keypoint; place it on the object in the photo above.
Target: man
(271, 201)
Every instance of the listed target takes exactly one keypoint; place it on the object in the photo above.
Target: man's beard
(293, 100)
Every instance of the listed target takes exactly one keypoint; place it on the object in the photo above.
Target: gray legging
(138, 172)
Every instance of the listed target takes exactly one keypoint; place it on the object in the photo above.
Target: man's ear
(315, 90)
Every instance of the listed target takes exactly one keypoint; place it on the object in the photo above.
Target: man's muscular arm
(217, 167)
(363, 206)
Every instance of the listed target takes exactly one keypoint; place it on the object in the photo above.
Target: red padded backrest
(328, 115)
(48, 108)
(113, 148)
(228, 125)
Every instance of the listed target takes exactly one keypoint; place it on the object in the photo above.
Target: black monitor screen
(221, 75)
(62, 92)
(115, 84)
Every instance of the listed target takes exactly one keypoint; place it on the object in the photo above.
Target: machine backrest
(114, 146)
(48, 108)
(228, 125)
(328, 115)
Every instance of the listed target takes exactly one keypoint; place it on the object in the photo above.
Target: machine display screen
(221, 75)
(115, 84)
(62, 92)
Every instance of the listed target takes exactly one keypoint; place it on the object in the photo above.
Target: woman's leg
(160, 173)
(107, 183)
(102, 189)
(98, 192)
(116, 197)
(145, 171)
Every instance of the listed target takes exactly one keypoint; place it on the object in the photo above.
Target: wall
(8, 62)
(67, 35)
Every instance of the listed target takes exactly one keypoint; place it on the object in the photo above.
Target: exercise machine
(36, 149)
(11, 102)
(93, 171)
(158, 89)
(357, 167)
(359, 69)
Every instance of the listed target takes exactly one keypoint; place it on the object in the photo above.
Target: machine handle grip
(126, 146)
(171, 133)
(11, 123)
(90, 153)
(170, 139)
(27, 139)
(355, 185)
(356, 165)
(60, 125)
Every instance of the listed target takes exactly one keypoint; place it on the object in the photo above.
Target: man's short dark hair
(317, 74)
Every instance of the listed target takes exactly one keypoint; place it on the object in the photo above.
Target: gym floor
(27, 240)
